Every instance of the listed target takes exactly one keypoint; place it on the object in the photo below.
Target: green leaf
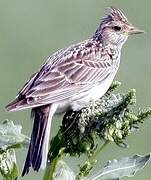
(63, 172)
(8, 166)
(124, 167)
(10, 135)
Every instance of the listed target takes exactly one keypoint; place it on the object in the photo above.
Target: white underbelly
(81, 100)
(94, 93)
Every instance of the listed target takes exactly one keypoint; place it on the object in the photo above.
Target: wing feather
(76, 79)
(68, 72)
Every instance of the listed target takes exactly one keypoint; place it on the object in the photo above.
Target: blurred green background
(30, 30)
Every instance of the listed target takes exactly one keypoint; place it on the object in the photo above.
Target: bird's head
(115, 28)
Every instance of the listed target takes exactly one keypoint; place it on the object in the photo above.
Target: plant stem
(50, 170)
(93, 157)
(89, 163)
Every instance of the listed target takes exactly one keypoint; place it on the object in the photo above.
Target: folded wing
(72, 75)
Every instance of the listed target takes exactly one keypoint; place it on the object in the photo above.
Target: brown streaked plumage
(71, 78)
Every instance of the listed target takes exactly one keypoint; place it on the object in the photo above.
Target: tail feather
(38, 149)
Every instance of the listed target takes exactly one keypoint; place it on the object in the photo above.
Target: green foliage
(8, 167)
(11, 138)
(63, 172)
(113, 170)
(110, 119)
(124, 167)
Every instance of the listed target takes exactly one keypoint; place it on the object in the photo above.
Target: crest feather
(115, 14)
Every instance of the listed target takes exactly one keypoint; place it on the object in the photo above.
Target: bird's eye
(116, 28)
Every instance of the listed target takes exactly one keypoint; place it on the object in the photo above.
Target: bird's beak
(134, 30)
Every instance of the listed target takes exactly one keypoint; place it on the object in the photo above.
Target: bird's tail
(38, 148)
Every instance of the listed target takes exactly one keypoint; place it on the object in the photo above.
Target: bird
(71, 78)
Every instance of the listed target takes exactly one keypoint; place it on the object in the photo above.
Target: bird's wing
(67, 80)
(75, 72)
